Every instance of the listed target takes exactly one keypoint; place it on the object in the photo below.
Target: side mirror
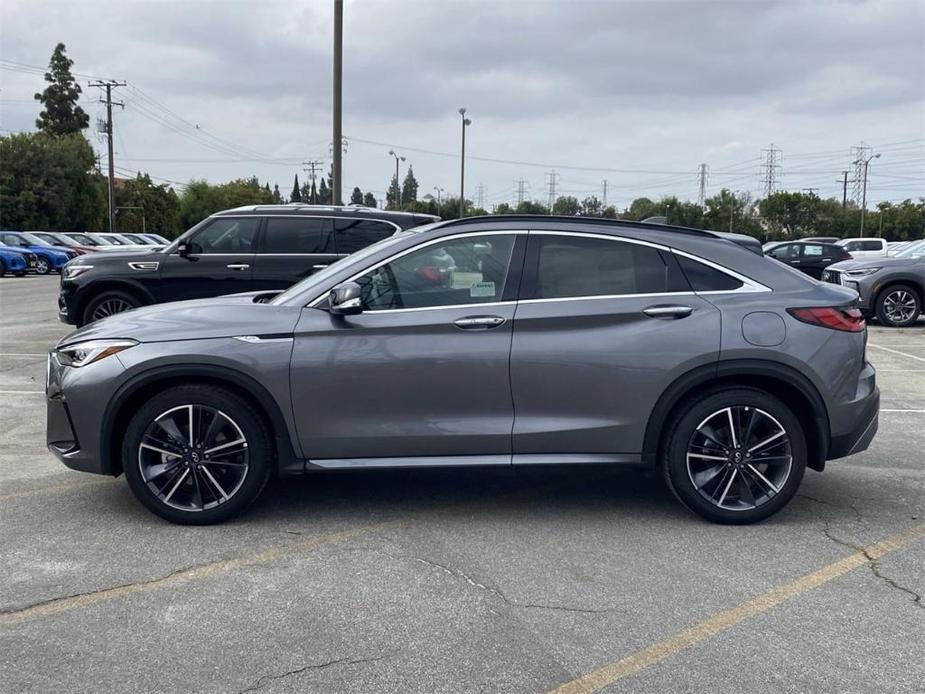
(183, 249)
(346, 299)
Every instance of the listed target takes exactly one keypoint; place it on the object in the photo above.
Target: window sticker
(482, 289)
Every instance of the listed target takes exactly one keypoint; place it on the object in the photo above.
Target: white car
(865, 247)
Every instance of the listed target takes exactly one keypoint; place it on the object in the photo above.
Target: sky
(639, 94)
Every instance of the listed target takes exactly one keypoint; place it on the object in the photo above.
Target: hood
(49, 250)
(200, 319)
(881, 261)
(115, 256)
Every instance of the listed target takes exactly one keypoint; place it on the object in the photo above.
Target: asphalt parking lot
(457, 581)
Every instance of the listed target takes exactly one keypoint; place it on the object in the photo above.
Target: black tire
(899, 305)
(108, 303)
(42, 266)
(2, 267)
(767, 413)
(258, 450)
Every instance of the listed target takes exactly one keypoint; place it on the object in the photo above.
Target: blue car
(15, 261)
(47, 257)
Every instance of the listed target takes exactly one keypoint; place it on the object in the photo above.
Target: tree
(324, 193)
(566, 205)
(393, 195)
(591, 207)
(531, 207)
(159, 207)
(642, 208)
(369, 200)
(201, 199)
(49, 182)
(356, 197)
(728, 211)
(409, 187)
(61, 114)
(503, 208)
(296, 195)
(609, 212)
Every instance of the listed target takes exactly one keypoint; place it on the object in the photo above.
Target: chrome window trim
(442, 239)
(488, 304)
(648, 295)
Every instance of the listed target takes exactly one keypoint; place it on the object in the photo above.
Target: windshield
(101, 240)
(913, 250)
(35, 240)
(319, 278)
(132, 240)
(83, 238)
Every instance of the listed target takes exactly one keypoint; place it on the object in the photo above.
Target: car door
(813, 259)
(788, 253)
(290, 249)
(219, 260)
(603, 326)
(421, 376)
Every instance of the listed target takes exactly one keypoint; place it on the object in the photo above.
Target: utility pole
(844, 189)
(771, 169)
(552, 179)
(462, 163)
(810, 191)
(866, 165)
(108, 85)
(309, 168)
(439, 196)
(604, 199)
(337, 173)
(702, 184)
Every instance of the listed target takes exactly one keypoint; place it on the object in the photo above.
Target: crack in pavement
(263, 679)
(873, 563)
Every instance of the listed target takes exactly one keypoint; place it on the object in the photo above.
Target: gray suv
(890, 288)
(502, 341)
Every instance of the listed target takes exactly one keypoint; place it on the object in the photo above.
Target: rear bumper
(858, 438)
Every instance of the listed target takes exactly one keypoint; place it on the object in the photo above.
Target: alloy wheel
(739, 458)
(193, 457)
(110, 307)
(899, 306)
(41, 266)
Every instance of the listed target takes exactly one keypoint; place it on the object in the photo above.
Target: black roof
(332, 210)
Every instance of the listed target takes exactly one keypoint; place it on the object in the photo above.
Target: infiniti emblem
(194, 456)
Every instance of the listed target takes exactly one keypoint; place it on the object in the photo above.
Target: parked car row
(44, 251)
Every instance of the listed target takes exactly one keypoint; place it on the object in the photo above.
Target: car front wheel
(196, 454)
(107, 304)
(42, 266)
(898, 306)
(735, 455)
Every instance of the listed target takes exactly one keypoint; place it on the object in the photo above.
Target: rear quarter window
(704, 278)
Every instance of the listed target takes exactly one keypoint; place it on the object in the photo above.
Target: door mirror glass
(183, 249)
(346, 299)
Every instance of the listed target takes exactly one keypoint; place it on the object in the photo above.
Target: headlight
(84, 353)
(72, 271)
(863, 272)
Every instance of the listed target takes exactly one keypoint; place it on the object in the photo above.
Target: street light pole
(462, 164)
(864, 191)
(397, 182)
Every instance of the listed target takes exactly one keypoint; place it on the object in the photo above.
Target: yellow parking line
(57, 606)
(642, 659)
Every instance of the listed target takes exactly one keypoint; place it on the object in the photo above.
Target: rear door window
(289, 235)
(871, 245)
(812, 250)
(353, 234)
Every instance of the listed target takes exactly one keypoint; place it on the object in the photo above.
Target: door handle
(237, 266)
(479, 322)
(320, 267)
(669, 312)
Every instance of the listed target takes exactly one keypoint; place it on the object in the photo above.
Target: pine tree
(409, 188)
(61, 115)
(393, 195)
(324, 193)
(369, 200)
(296, 191)
(356, 197)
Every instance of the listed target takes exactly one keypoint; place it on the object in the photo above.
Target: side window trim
(320, 300)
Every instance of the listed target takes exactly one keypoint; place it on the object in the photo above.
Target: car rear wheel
(735, 455)
(898, 306)
(2, 267)
(108, 304)
(196, 454)
(42, 266)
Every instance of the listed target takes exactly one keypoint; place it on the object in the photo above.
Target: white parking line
(895, 351)
(21, 354)
(888, 410)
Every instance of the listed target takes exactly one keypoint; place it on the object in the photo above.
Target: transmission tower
(604, 198)
(702, 175)
(552, 181)
(860, 153)
(480, 195)
(521, 185)
(771, 167)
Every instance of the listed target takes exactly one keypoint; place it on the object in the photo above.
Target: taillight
(849, 320)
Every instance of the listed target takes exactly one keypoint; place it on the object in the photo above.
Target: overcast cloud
(653, 86)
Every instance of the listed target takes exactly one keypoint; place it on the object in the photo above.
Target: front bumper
(66, 311)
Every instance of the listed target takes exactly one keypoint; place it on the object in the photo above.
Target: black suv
(252, 248)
